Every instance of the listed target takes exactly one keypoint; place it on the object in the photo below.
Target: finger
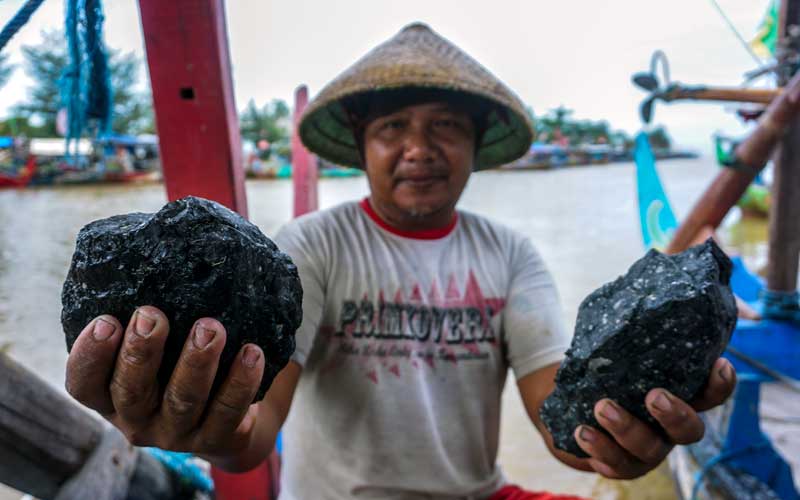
(632, 434)
(606, 456)
(744, 311)
(91, 363)
(134, 385)
(230, 405)
(682, 424)
(186, 395)
(721, 384)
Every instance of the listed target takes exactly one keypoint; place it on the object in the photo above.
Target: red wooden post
(199, 141)
(198, 127)
(304, 165)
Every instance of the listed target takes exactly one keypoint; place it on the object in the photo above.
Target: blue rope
(184, 466)
(86, 83)
(71, 79)
(18, 21)
(99, 99)
(722, 457)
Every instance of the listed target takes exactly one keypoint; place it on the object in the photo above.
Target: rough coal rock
(192, 259)
(663, 325)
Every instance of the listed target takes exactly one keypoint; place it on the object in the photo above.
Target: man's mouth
(421, 180)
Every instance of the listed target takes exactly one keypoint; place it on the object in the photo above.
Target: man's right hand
(115, 373)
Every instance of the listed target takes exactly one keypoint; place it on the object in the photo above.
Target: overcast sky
(579, 53)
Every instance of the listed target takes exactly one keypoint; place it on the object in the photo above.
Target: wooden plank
(304, 165)
(196, 118)
(44, 436)
(106, 474)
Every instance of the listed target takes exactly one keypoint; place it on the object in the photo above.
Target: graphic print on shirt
(454, 327)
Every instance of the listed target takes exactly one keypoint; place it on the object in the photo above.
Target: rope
(71, 79)
(185, 466)
(721, 458)
(98, 105)
(18, 21)
(737, 34)
(85, 85)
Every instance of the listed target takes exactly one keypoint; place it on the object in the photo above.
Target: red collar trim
(425, 234)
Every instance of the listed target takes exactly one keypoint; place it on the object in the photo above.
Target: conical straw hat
(417, 57)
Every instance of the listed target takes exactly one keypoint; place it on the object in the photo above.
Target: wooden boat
(20, 178)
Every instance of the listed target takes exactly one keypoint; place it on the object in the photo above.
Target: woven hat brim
(325, 128)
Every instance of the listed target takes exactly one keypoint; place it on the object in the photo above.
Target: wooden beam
(730, 184)
(723, 193)
(760, 96)
(44, 437)
(190, 73)
(784, 223)
(52, 448)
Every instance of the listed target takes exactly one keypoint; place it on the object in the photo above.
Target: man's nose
(418, 146)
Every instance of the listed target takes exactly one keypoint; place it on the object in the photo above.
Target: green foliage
(133, 111)
(557, 124)
(269, 122)
(5, 69)
(45, 64)
(659, 139)
(21, 126)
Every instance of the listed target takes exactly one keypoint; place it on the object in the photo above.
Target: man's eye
(445, 122)
(393, 125)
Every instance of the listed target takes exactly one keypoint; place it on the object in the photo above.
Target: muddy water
(584, 221)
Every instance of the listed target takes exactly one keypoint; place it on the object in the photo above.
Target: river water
(583, 220)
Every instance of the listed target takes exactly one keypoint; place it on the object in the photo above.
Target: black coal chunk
(192, 259)
(663, 324)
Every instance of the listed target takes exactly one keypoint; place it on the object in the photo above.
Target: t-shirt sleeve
(305, 253)
(534, 329)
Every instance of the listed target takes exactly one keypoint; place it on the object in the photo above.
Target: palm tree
(5, 69)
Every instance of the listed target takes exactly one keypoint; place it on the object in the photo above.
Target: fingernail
(586, 434)
(103, 330)
(662, 402)
(610, 412)
(251, 355)
(203, 336)
(144, 324)
(725, 372)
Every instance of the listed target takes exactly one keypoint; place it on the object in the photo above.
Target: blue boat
(736, 459)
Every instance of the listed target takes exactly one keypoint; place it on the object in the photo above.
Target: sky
(576, 53)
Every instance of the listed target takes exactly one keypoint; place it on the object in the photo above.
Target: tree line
(46, 62)
(269, 124)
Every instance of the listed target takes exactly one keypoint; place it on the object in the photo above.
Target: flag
(767, 36)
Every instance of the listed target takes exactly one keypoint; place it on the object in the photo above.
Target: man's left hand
(634, 448)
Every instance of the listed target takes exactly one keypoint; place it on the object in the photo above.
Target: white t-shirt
(405, 344)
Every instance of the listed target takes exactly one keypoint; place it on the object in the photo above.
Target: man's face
(419, 159)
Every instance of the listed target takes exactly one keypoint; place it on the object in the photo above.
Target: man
(413, 313)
